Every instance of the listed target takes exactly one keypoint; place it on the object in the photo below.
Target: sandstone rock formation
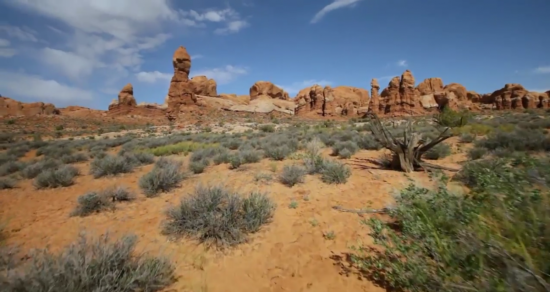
(374, 103)
(201, 85)
(10, 107)
(265, 88)
(181, 92)
(515, 96)
(125, 98)
(328, 101)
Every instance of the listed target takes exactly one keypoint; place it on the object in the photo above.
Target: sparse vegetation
(92, 264)
(335, 172)
(166, 175)
(62, 176)
(292, 175)
(216, 215)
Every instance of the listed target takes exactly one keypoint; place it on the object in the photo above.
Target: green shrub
(267, 128)
(93, 202)
(93, 264)
(63, 176)
(349, 146)
(7, 183)
(450, 118)
(165, 176)
(495, 238)
(476, 153)
(519, 140)
(292, 175)
(215, 215)
(335, 172)
(74, 158)
(11, 167)
(34, 169)
(111, 165)
(198, 166)
(439, 151)
(277, 153)
(467, 138)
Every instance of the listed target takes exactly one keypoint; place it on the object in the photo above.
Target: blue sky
(82, 52)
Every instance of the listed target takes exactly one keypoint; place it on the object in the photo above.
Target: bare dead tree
(407, 151)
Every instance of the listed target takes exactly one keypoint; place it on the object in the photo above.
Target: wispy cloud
(6, 51)
(231, 20)
(222, 75)
(197, 56)
(295, 87)
(20, 33)
(402, 63)
(336, 4)
(36, 88)
(153, 77)
(542, 70)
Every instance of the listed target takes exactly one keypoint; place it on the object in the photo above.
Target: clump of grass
(216, 215)
(235, 161)
(292, 175)
(63, 176)
(439, 151)
(250, 156)
(335, 172)
(277, 153)
(267, 128)
(74, 158)
(344, 149)
(95, 202)
(476, 153)
(367, 142)
(93, 264)
(111, 165)
(178, 148)
(7, 183)
(165, 176)
(519, 140)
(11, 167)
(222, 157)
(467, 138)
(198, 166)
(262, 177)
(34, 169)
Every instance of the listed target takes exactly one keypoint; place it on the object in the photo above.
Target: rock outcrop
(181, 94)
(201, 85)
(328, 101)
(374, 103)
(10, 107)
(265, 88)
(125, 98)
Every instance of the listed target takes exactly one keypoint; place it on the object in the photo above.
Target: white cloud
(232, 27)
(17, 85)
(4, 43)
(229, 17)
(197, 56)
(5, 50)
(295, 87)
(68, 63)
(222, 75)
(152, 77)
(20, 33)
(336, 4)
(402, 63)
(542, 70)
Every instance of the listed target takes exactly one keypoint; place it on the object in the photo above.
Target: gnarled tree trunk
(406, 151)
